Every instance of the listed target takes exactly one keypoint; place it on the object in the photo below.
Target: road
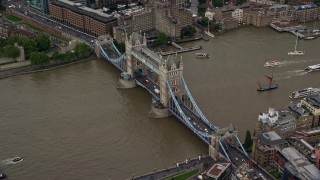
(43, 19)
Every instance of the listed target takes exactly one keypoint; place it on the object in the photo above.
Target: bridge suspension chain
(117, 62)
(197, 108)
(184, 117)
(114, 46)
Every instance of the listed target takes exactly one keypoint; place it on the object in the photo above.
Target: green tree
(69, 56)
(28, 44)
(188, 31)
(12, 39)
(248, 140)
(39, 58)
(43, 42)
(11, 51)
(217, 3)
(161, 39)
(121, 46)
(82, 50)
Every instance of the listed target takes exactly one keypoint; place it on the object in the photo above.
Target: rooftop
(314, 100)
(83, 10)
(271, 138)
(217, 169)
(312, 131)
(297, 109)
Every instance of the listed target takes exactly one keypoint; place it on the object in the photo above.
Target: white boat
(271, 64)
(295, 52)
(310, 37)
(105, 9)
(312, 68)
(121, 6)
(132, 4)
(202, 55)
(304, 92)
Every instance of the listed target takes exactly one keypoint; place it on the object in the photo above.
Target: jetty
(296, 33)
(180, 50)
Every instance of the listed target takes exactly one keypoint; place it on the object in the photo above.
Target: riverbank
(35, 68)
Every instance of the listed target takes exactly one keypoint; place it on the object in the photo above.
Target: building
(297, 166)
(41, 5)
(304, 148)
(83, 2)
(311, 136)
(265, 145)
(282, 122)
(304, 13)
(169, 20)
(302, 116)
(238, 15)
(83, 18)
(280, 13)
(317, 155)
(220, 171)
(312, 104)
(209, 14)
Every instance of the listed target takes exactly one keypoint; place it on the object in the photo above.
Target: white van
(157, 91)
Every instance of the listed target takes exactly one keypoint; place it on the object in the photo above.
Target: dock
(181, 50)
(297, 34)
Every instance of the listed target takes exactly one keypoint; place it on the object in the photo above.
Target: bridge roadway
(195, 120)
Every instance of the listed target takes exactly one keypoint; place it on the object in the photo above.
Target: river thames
(73, 123)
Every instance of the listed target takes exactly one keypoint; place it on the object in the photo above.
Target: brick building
(304, 13)
(169, 20)
(265, 146)
(83, 18)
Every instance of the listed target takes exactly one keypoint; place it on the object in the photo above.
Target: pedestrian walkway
(180, 167)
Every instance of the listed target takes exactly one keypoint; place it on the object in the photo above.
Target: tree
(43, 42)
(82, 50)
(11, 51)
(217, 3)
(29, 45)
(121, 46)
(188, 31)
(248, 140)
(39, 58)
(161, 39)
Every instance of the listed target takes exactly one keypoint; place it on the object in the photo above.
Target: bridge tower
(136, 41)
(171, 70)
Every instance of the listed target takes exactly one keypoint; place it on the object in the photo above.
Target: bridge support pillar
(157, 111)
(125, 81)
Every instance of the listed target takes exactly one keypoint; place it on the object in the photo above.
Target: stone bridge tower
(136, 41)
(171, 70)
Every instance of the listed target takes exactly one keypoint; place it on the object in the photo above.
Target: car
(145, 81)
(156, 91)
(237, 159)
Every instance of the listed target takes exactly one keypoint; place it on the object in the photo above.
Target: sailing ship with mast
(208, 31)
(295, 52)
(270, 86)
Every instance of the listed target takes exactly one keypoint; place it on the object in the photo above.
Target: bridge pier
(158, 111)
(125, 81)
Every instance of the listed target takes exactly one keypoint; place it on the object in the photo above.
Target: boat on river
(270, 86)
(202, 55)
(312, 68)
(271, 64)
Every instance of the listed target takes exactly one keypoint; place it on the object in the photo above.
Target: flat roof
(217, 169)
(83, 10)
(271, 138)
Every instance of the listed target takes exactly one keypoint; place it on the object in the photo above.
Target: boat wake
(287, 62)
(290, 74)
(7, 162)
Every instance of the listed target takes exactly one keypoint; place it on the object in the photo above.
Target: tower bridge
(163, 78)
